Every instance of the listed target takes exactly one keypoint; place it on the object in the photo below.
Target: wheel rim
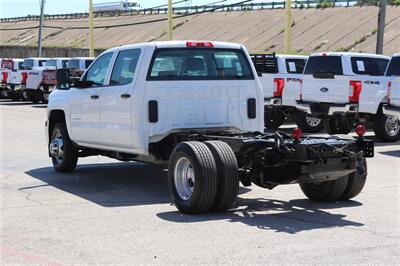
(46, 96)
(313, 121)
(184, 178)
(392, 126)
(57, 148)
(4, 93)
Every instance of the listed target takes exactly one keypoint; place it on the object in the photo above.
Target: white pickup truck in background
(280, 77)
(348, 89)
(78, 65)
(392, 108)
(8, 65)
(41, 78)
(18, 79)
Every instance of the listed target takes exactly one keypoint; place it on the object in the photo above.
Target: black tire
(67, 162)
(273, 120)
(381, 131)
(356, 181)
(301, 121)
(337, 127)
(227, 175)
(204, 188)
(325, 191)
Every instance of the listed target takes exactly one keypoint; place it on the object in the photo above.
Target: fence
(191, 9)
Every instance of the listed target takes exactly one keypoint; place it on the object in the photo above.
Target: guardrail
(191, 9)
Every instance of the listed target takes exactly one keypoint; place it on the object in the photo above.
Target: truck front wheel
(63, 153)
(227, 175)
(325, 191)
(192, 177)
(386, 128)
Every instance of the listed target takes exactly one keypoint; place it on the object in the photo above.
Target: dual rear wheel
(343, 188)
(203, 176)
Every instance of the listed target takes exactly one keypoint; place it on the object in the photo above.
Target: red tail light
(361, 130)
(279, 84)
(4, 77)
(389, 88)
(297, 133)
(355, 89)
(199, 44)
(24, 78)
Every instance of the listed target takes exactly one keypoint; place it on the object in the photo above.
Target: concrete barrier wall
(350, 29)
(30, 51)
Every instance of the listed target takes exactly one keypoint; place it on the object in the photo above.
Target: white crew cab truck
(198, 107)
(345, 88)
(40, 79)
(8, 66)
(392, 108)
(280, 77)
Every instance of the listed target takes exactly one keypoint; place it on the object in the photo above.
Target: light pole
(288, 26)
(381, 27)
(91, 33)
(170, 22)
(39, 51)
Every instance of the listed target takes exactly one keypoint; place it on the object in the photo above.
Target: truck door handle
(94, 97)
(125, 96)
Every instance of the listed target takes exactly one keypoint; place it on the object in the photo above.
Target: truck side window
(98, 71)
(368, 66)
(295, 66)
(124, 67)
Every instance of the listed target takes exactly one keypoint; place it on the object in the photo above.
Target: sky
(17, 8)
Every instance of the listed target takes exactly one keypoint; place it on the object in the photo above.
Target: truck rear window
(199, 64)
(73, 64)
(324, 64)
(394, 67)
(369, 66)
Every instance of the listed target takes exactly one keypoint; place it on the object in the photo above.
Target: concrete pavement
(108, 212)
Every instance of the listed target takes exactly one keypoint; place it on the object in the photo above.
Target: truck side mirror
(63, 79)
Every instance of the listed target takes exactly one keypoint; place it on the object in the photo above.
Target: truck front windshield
(200, 64)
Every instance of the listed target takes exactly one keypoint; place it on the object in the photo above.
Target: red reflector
(4, 77)
(355, 89)
(389, 88)
(199, 44)
(360, 130)
(24, 78)
(279, 84)
(297, 133)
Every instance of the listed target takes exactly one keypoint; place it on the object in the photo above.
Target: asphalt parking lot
(109, 212)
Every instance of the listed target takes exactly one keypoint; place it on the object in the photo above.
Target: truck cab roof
(179, 44)
(350, 54)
